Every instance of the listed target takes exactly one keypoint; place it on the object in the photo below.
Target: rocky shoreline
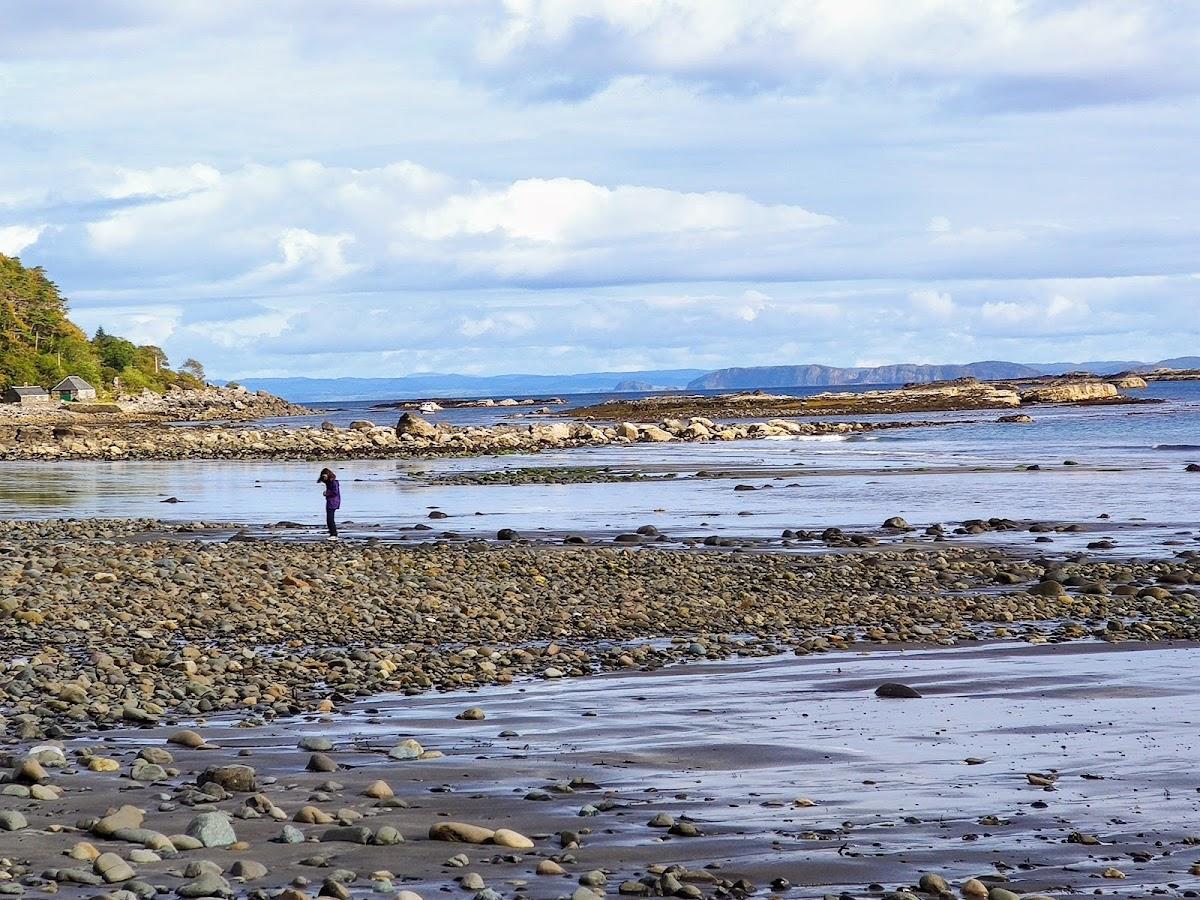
(126, 627)
(227, 404)
(967, 394)
(547, 475)
(436, 403)
(172, 709)
(412, 436)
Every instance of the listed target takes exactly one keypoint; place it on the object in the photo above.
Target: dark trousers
(330, 522)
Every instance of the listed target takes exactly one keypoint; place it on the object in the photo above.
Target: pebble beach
(156, 680)
(677, 705)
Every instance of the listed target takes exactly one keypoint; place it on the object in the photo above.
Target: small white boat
(429, 407)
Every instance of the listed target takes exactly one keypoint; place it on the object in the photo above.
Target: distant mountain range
(312, 390)
(992, 370)
(323, 390)
(820, 376)
(988, 371)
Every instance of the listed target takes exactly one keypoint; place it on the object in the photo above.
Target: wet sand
(730, 747)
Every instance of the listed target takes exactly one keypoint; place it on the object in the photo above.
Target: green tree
(115, 353)
(192, 367)
(39, 344)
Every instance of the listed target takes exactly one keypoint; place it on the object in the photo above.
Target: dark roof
(27, 390)
(73, 383)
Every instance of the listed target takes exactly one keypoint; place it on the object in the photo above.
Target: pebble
(187, 738)
(933, 884)
(504, 837)
(212, 829)
(461, 832)
(894, 690)
(207, 885)
(290, 835)
(379, 790)
(408, 749)
(248, 870)
(319, 762)
(112, 868)
(387, 835)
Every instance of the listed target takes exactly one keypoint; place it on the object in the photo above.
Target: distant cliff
(817, 376)
(623, 387)
(1180, 362)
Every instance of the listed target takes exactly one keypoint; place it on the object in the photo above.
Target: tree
(39, 344)
(117, 353)
(193, 367)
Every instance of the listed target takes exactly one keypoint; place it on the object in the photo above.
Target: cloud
(303, 222)
(934, 303)
(322, 257)
(511, 324)
(621, 327)
(571, 211)
(1055, 311)
(15, 238)
(607, 183)
(1005, 54)
(159, 182)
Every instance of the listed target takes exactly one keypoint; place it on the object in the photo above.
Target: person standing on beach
(333, 500)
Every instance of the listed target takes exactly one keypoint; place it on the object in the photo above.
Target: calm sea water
(1131, 469)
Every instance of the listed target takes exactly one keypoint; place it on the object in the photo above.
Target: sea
(1119, 470)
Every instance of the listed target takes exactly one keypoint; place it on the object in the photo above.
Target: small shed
(27, 395)
(74, 388)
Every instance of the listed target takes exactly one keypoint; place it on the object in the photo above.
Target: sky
(381, 187)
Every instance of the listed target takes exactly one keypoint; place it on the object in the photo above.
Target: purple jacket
(333, 495)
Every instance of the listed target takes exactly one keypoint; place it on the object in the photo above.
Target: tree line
(39, 344)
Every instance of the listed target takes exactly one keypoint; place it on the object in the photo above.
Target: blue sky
(377, 187)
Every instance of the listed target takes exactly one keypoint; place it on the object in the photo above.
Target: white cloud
(511, 324)
(161, 181)
(813, 40)
(603, 183)
(15, 238)
(1061, 307)
(321, 256)
(934, 303)
(572, 211)
(1053, 313)
(302, 222)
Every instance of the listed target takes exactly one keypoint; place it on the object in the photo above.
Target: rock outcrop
(411, 436)
(1071, 392)
(961, 395)
(212, 403)
(1130, 383)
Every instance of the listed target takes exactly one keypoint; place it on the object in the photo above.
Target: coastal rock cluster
(1075, 392)
(233, 403)
(960, 395)
(101, 629)
(210, 404)
(412, 436)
